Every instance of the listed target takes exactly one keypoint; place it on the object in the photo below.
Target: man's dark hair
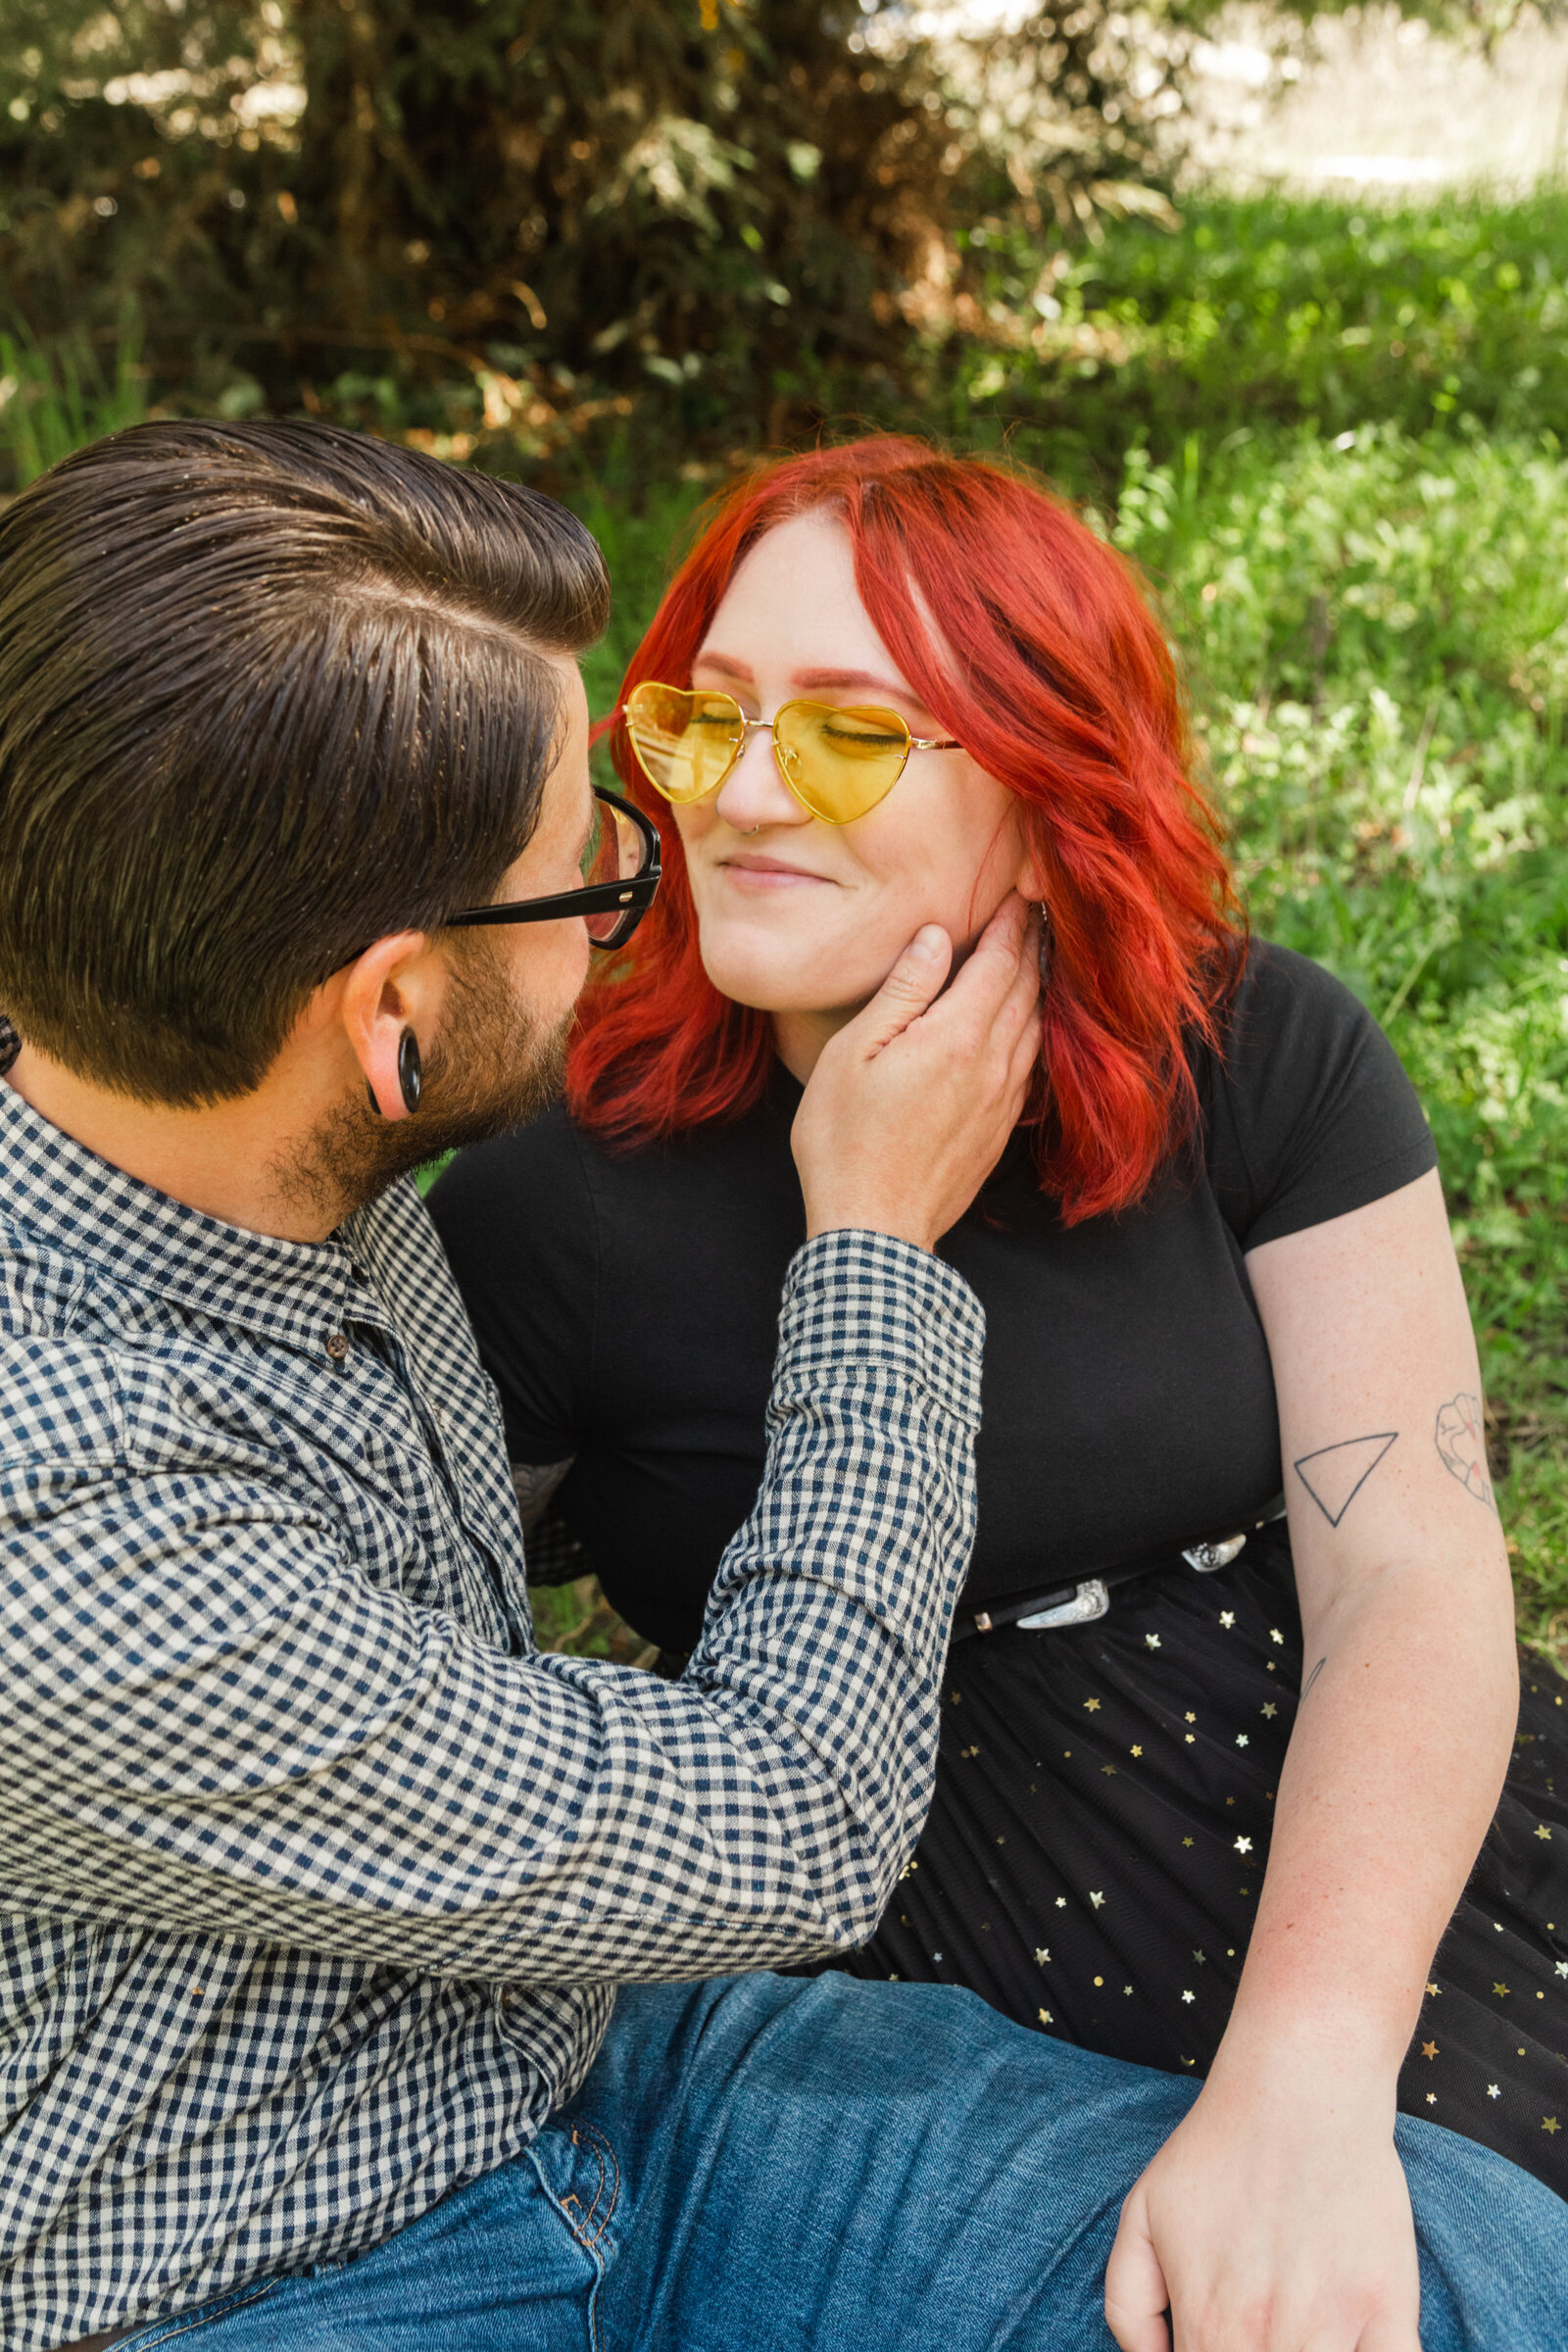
(267, 693)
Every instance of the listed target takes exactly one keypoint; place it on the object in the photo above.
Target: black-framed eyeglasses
(620, 871)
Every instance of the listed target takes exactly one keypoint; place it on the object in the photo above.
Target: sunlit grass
(55, 397)
(1266, 313)
(1377, 631)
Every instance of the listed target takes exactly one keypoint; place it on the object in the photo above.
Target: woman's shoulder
(1292, 1033)
(543, 1165)
(518, 1220)
(568, 1186)
(1308, 1112)
(1277, 988)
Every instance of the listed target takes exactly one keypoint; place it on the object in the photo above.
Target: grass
(54, 399)
(1265, 313)
(1377, 630)
(1328, 435)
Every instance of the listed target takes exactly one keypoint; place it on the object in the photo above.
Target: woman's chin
(768, 976)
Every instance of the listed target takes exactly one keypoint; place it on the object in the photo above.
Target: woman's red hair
(1046, 662)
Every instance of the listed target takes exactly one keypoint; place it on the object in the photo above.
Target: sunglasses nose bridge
(755, 792)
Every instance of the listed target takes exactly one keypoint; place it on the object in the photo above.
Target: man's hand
(910, 1107)
(1273, 2220)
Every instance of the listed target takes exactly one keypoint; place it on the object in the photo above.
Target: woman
(884, 689)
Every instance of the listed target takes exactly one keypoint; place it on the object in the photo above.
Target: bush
(506, 217)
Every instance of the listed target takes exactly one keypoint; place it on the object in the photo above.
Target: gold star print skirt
(1101, 1828)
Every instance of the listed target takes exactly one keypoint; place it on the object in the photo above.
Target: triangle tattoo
(1335, 1475)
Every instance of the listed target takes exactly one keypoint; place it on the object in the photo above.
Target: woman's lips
(751, 873)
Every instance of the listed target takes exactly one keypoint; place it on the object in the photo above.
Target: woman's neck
(799, 1037)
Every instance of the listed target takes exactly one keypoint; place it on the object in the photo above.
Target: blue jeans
(777, 2164)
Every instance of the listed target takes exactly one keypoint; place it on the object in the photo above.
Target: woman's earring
(410, 1070)
(1044, 949)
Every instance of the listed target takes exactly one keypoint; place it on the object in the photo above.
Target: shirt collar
(72, 1201)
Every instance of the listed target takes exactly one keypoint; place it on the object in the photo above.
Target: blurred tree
(630, 186)
(510, 210)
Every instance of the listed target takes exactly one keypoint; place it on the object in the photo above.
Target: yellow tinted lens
(686, 743)
(839, 762)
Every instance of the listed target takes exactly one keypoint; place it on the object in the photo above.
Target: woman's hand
(1275, 2219)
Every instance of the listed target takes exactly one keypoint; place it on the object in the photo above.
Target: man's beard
(492, 1066)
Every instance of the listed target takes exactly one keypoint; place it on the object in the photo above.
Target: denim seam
(591, 2240)
(608, 2162)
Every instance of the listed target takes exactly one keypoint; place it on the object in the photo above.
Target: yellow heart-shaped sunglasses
(838, 764)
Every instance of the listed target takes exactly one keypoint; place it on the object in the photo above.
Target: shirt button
(337, 1346)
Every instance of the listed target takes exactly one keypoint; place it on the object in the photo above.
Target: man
(318, 1880)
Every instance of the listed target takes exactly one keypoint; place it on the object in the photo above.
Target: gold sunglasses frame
(769, 726)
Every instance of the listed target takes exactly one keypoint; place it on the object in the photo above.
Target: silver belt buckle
(1091, 1601)
(1207, 1557)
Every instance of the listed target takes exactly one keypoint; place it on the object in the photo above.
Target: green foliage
(55, 397)
(1254, 318)
(138, 147)
(1378, 638)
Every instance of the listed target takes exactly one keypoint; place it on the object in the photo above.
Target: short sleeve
(1310, 1112)
(516, 1219)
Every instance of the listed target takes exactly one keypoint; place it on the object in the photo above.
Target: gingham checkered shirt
(315, 1877)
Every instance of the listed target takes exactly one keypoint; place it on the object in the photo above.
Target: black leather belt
(1080, 1603)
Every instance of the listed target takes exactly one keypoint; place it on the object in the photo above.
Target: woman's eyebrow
(806, 679)
(834, 678)
(707, 659)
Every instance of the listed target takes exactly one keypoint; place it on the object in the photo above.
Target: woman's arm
(1276, 2215)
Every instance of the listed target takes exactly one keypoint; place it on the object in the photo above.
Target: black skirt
(1101, 1827)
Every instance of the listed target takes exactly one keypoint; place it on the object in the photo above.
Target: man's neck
(227, 1159)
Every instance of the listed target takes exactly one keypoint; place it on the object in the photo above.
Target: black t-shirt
(627, 1304)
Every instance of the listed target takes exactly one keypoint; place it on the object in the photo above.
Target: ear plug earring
(410, 1070)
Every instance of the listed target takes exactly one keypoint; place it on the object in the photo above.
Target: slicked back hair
(268, 692)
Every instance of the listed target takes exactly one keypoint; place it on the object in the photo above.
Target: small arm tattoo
(1335, 1475)
(537, 1483)
(1461, 1438)
(1312, 1677)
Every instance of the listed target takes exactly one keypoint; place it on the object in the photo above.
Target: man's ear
(393, 987)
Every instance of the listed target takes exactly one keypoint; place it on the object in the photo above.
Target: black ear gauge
(370, 1092)
(410, 1070)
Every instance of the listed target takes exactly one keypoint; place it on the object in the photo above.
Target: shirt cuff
(865, 1299)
